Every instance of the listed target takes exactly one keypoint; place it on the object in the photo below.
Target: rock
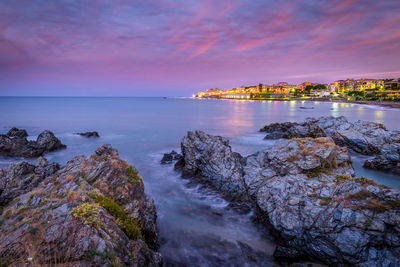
(42, 162)
(292, 130)
(15, 132)
(388, 159)
(212, 158)
(106, 150)
(368, 138)
(305, 191)
(19, 178)
(170, 157)
(356, 141)
(91, 212)
(15, 144)
(89, 134)
(49, 142)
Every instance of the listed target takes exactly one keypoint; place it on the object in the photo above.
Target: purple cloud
(179, 47)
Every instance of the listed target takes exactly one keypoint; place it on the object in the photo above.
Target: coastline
(372, 103)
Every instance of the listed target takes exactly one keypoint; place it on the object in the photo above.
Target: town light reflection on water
(360, 112)
(379, 115)
(240, 118)
(335, 109)
(292, 109)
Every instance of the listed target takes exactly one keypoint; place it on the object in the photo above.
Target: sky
(180, 47)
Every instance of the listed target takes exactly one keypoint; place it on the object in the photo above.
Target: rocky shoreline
(367, 138)
(305, 190)
(93, 211)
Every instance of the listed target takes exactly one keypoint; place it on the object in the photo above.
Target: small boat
(306, 107)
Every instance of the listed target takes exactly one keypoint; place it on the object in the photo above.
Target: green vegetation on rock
(133, 174)
(131, 227)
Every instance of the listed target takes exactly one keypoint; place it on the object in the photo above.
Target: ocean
(196, 225)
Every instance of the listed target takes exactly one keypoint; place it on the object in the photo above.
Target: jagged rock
(15, 132)
(388, 159)
(305, 191)
(292, 130)
(368, 138)
(91, 212)
(15, 144)
(208, 155)
(170, 157)
(89, 134)
(49, 142)
(106, 150)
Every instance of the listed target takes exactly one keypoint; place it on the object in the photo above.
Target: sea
(197, 226)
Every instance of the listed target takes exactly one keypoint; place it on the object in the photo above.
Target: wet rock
(15, 132)
(91, 212)
(89, 134)
(305, 191)
(292, 130)
(49, 142)
(213, 159)
(168, 158)
(388, 159)
(179, 165)
(368, 138)
(15, 144)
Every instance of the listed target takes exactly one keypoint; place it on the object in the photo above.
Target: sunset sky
(176, 48)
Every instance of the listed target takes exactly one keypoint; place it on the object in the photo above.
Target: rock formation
(16, 144)
(305, 190)
(89, 134)
(168, 158)
(368, 138)
(91, 212)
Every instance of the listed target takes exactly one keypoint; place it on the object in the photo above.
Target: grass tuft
(133, 174)
(360, 195)
(132, 227)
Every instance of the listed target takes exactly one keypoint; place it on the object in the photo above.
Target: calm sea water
(197, 226)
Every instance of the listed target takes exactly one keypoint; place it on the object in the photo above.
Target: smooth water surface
(197, 226)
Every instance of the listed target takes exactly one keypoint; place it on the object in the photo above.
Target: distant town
(350, 89)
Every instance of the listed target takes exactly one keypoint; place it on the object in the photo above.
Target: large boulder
(212, 158)
(339, 220)
(388, 159)
(292, 130)
(48, 141)
(305, 190)
(16, 144)
(91, 212)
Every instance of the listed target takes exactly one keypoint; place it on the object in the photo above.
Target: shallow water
(197, 226)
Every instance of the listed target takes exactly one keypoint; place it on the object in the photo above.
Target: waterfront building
(392, 84)
(236, 96)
